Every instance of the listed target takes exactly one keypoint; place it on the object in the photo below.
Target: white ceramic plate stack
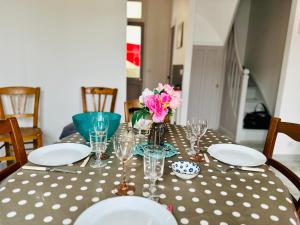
(237, 155)
(126, 210)
(59, 154)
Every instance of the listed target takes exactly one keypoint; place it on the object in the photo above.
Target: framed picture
(179, 35)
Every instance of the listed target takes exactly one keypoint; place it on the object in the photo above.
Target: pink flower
(168, 89)
(158, 106)
(175, 100)
(160, 87)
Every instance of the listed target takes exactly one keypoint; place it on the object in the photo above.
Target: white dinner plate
(126, 210)
(236, 155)
(59, 154)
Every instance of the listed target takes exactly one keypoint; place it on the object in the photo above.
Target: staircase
(240, 96)
(255, 137)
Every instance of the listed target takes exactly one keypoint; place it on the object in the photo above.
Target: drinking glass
(191, 136)
(101, 124)
(98, 144)
(154, 161)
(200, 128)
(123, 145)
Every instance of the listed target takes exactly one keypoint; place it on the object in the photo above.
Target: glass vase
(157, 134)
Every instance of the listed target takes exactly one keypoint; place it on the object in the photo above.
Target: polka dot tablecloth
(213, 197)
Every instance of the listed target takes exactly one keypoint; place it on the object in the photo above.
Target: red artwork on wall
(133, 54)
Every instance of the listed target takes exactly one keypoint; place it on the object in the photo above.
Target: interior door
(134, 59)
(206, 84)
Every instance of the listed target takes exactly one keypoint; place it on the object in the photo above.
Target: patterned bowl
(185, 170)
(84, 122)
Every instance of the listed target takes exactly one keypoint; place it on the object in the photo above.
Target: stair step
(252, 93)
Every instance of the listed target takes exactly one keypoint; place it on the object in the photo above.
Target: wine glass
(101, 124)
(154, 160)
(123, 145)
(191, 136)
(200, 129)
(98, 144)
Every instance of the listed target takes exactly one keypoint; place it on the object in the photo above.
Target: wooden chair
(11, 128)
(96, 95)
(129, 107)
(293, 131)
(19, 100)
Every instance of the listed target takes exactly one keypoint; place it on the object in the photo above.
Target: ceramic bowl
(185, 170)
(84, 122)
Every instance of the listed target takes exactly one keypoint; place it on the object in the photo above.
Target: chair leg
(37, 143)
(8, 152)
(7, 148)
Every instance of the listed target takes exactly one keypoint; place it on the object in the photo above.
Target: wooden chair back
(98, 97)
(129, 107)
(293, 131)
(18, 99)
(10, 126)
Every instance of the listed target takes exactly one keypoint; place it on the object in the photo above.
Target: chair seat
(28, 133)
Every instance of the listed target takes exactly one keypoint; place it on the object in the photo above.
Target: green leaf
(134, 118)
(139, 114)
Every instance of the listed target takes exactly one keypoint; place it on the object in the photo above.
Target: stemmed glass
(98, 144)
(191, 136)
(123, 145)
(154, 160)
(101, 124)
(200, 129)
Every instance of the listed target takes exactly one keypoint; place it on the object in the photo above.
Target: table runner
(213, 197)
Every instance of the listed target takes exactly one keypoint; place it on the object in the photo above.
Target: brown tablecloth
(213, 197)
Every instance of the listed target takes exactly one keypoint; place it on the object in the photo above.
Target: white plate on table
(236, 155)
(126, 210)
(59, 154)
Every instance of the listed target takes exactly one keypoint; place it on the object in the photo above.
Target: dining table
(214, 196)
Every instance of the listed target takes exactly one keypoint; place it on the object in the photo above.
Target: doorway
(134, 59)
(148, 44)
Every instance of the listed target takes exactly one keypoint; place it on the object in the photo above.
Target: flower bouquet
(157, 106)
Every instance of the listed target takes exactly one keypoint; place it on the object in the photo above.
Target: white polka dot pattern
(213, 197)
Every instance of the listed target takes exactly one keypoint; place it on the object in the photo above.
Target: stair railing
(236, 82)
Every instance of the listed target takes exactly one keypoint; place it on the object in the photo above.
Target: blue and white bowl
(185, 170)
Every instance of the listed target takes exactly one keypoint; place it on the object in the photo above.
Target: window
(134, 50)
(134, 9)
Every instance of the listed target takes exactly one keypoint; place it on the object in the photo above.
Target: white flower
(145, 93)
(143, 124)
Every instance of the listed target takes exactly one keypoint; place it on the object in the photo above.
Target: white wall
(184, 11)
(61, 45)
(157, 42)
(213, 20)
(180, 13)
(287, 106)
(265, 45)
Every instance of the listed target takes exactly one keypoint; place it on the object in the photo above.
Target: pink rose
(158, 106)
